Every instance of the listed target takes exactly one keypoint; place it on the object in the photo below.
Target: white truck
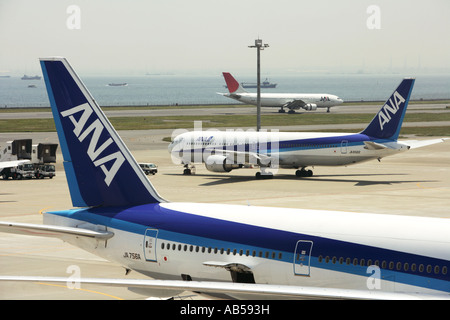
(149, 168)
(36, 159)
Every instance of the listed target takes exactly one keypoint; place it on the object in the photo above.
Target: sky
(206, 37)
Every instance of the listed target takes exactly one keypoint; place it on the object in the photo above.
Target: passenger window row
(192, 248)
(399, 266)
(296, 145)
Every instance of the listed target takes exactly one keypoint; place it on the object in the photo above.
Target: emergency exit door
(302, 258)
(151, 236)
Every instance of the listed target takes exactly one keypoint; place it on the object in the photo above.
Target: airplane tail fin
(232, 84)
(387, 122)
(100, 169)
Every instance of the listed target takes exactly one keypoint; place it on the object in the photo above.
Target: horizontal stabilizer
(370, 145)
(422, 143)
(52, 231)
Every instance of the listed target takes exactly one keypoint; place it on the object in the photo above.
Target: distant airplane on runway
(225, 151)
(243, 251)
(291, 101)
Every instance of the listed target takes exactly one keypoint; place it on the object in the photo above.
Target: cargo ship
(25, 77)
(265, 84)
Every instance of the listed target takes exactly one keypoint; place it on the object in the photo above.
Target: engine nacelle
(310, 107)
(217, 163)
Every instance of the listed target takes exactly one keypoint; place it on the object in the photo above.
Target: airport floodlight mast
(259, 46)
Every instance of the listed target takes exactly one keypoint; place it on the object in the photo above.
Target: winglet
(388, 121)
(100, 169)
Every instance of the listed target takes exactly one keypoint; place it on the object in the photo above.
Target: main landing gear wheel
(303, 173)
(267, 175)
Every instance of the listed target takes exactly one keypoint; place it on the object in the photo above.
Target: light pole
(259, 46)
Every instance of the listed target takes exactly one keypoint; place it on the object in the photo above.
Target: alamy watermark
(373, 21)
(73, 21)
(236, 146)
(74, 280)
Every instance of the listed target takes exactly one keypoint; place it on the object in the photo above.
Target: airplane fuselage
(290, 150)
(300, 247)
(282, 99)
(122, 218)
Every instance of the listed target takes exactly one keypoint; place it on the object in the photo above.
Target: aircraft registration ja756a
(243, 251)
(226, 151)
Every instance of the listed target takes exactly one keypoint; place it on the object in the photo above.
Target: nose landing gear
(303, 173)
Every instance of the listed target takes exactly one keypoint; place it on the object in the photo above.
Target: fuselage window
(436, 269)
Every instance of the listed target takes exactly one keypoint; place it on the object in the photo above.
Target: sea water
(203, 90)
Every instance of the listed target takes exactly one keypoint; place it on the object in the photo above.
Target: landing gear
(260, 175)
(303, 173)
(281, 110)
(264, 174)
(188, 170)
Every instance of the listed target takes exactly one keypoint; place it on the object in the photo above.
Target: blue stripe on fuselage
(209, 232)
(293, 145)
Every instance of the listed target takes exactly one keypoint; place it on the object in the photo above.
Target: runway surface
(413, 183)
(247, 110)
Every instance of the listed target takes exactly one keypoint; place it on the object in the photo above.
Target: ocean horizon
(166, 90)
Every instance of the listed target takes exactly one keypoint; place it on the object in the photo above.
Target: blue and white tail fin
(100, 169)
(388, 121)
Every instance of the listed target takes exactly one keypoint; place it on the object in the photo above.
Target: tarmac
(414, 183)
(437, 107)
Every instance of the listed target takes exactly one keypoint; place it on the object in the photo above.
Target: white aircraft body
(242, 251)
(225, 151)
(291, 101)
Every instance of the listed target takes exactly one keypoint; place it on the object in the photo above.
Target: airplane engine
(310, 107)
(217, 163)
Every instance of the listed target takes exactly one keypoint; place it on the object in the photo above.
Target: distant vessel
(265, 84)
(25, 77)
(117, 84)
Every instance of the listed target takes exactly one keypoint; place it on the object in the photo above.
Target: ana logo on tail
(94, 150)
(384, 116)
